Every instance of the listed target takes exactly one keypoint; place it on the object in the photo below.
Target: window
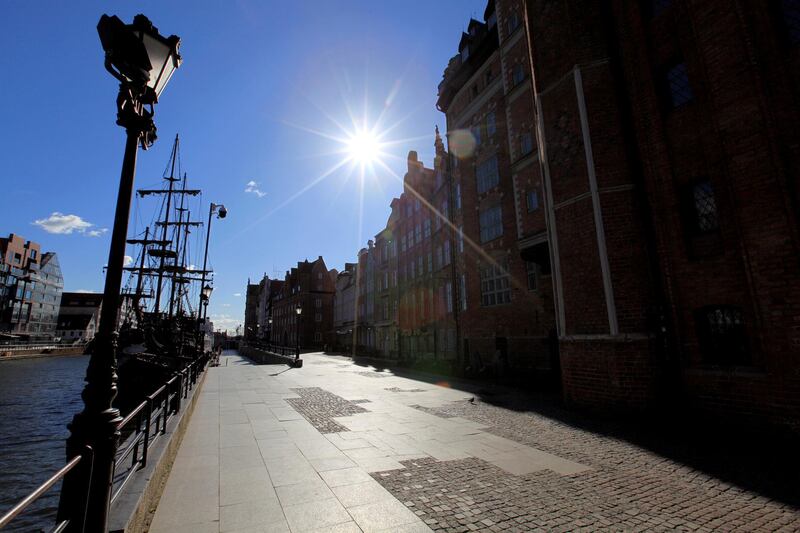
(462, 292)
(526, 143)
(532, 271)
(318, 303)
(489, 76)
(654, 8)
(446, 253)
(420, 266)
(418, 233)
(430, 262)
(318, 317)
(517, 74)
(426, 228)
(385, 280)
(513, 22)
(17, 258)
(677, 85)
(494, 285)
(476, 133)
(458, 196)
(790, 11)
(491, 223)
(410, 236)
(403, 243)
(445, 210)
(385, 310)
(394, 278)
(33, 254)
(319, 275)
(449, 296)
(409, 209)
(491, 124)
(532, 199)
(317, 336)
(460, 239)
(700, 208)
(417, 204)
(439, 261)
(721, 335)
(486, 174)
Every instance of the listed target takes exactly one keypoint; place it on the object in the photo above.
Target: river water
(38, 397)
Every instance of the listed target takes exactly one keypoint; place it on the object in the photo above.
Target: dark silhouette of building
(311, 286)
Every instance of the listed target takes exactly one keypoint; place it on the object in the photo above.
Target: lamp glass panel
(159, 54)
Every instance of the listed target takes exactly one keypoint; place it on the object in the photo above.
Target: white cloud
(225, 322)
(96, 232)
(62, 224)
(237, 294)
(128, 260)
(252, 187)
(226, 305)
(84, 291)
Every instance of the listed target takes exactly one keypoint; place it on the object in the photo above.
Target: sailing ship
(162, 327)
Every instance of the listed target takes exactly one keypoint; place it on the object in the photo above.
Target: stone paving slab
(324, 449)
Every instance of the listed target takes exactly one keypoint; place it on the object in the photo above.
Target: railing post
(147, 431)
(165, 409)
(179, 392)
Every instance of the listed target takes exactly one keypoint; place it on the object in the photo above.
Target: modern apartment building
(30, 290)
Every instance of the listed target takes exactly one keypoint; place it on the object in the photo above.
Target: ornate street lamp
(221, 212)
(143, 62)
(299, 311)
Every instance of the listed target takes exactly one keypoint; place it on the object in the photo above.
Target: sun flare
(364, 147)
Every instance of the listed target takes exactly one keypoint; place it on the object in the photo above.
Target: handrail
(161, 404)
(43, 488)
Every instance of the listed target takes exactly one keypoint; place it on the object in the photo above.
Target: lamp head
(138, 56)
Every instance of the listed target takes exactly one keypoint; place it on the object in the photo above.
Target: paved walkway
(339, 447)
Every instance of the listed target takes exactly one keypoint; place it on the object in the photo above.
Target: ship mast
(172, 181)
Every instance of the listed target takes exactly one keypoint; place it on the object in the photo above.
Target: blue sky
(258, 79)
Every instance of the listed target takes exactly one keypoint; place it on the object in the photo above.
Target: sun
(364, 147)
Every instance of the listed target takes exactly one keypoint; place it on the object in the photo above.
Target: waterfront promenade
(335, 446)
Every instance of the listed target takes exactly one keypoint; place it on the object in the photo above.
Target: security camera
(222, 212)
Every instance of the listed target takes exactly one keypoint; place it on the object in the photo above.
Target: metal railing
(142, 427)
(286, 351)
(148, 421)
(86, 458)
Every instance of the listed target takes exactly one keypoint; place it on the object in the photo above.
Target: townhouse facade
(309, 287)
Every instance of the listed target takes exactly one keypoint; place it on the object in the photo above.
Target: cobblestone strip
(398, 389)
(374, 374)
(319, 407)
(431, 411)
(629, 487)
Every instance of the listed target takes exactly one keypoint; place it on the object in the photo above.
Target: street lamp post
(143, 61)
(269, 333)
(202, 311)
(299, 311)
(221, 212)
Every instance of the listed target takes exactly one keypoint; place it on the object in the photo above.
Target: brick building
(344, 308)
(502, 262)
(251, 308)
(30, 289)
(311, 286)
(644, 180)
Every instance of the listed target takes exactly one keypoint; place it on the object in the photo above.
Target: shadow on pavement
(764, 459)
